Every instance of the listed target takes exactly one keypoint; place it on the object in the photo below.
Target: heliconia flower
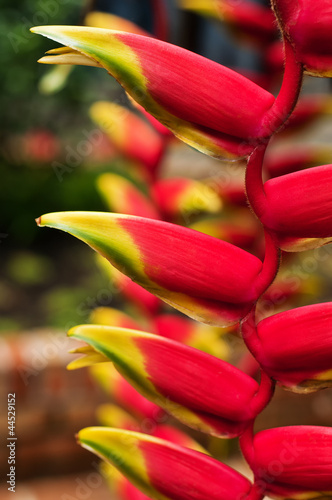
(163, 470)
(223, 115)
(308, 109)
(131, 135)
(181, 196)
(231, 188)
(165, 372)
(294, 462)
(248, 18)
(172, 262)
(54, 80)
(40, 146)
(119, 485)
(122, 196)
(122, 392)
(299, 208)
(307, 25)
(203, 337)
(159, 127)
(106, 20)
(110, 415)
(145, 302)
(109, 316)
(295, 347)
(238, 227)
(290, 160)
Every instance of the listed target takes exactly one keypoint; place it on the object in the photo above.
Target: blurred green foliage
(45, 276)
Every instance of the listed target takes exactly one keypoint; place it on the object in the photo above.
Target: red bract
(299, 208)
(173, 262)
(131, 135)
(221, 116)
(163, 470)
(307, 24)
(249, 19)
(165, 372)
(295, 347)
(294, 462)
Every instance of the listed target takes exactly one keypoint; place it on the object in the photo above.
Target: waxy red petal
(172, 262)
(221, 116)
(182, 197)
(294, 462)
(129, 133)
(203, 337)
(296, 347)
(307, 24)
(165, 372)
(123, 196)
(163, 470)
(299, 208)
(124, 394)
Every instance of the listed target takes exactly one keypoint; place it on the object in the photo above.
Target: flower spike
(123, 196)
(149, 463)
(165, 372)
(221, 116)
(132, 136)
(117, 387)
(172, 262)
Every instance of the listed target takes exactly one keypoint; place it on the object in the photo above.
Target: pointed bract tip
(72, 331)
(38, 221)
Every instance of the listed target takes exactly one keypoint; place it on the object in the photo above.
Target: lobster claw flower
(131, 135)
(172, 262)
(299, 208)
(294, 462)
(203, 337)
(248, 19)
(109, 316)
(123, 196)
(110, 415)
(181, 196)
(165, 372)
(296, 347)
(110, 21)
(307, 25)
(142, 301)
(121, 391)
(164, 470)
(222, 115)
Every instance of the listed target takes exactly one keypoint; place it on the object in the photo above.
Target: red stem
(288, 95)
(246, 441)
(256, 493)
(270, 265)
(259, 402)
(249, 334)
(254, 181)
(264, 394)
(273, 120)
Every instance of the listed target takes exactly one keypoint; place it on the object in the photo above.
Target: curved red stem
(254, 181)
(288, 95)
(259, 402)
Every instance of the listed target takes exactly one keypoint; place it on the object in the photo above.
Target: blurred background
(52, 155)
